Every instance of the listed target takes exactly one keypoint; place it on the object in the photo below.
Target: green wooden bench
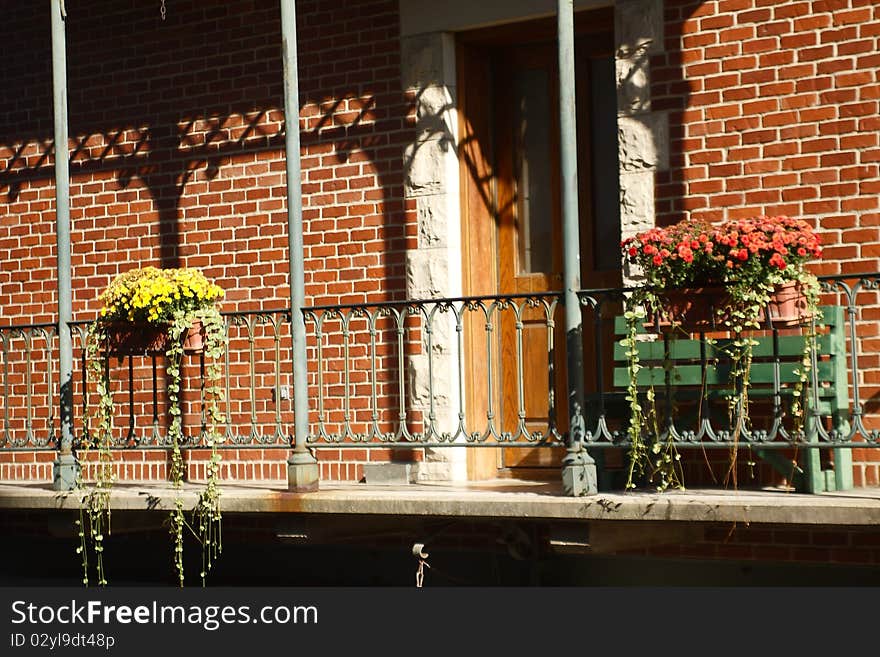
(685, 370)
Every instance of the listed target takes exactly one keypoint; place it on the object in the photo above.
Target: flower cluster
(744, 251)
(155, 295)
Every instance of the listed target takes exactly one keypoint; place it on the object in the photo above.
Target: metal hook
(418, 550)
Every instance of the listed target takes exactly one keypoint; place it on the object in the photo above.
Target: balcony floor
(502, 498)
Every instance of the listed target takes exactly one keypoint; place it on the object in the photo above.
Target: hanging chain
(162, 10)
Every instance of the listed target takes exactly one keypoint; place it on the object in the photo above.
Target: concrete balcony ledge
(500, 499)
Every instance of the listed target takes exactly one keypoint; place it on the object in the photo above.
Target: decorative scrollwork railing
(476, 371)
(399, 373)
(839, 412)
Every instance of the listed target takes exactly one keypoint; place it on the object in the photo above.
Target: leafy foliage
(750, 259)
(174, 299)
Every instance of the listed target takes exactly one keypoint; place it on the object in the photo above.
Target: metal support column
(65, 467)
(302, 467)
(578, 467)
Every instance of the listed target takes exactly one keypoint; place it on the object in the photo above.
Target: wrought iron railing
(841, 398)
(404, 374)
(863, 339)
(475, 372)
(255, 381)
(28, 386)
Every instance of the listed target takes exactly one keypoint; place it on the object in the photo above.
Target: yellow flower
(155, 295)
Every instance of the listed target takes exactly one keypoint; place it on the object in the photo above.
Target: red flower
(777, 260)
(685, 253)
(743, 250)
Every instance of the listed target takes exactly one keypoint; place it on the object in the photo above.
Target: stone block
(444, 338)
(636, 202)
(436, 116)
(643, 142)
(424, 167)
(389, 474)
(633, 84)
(427, 274)
(437, 470)
(432, 217)
(638, 25)
(423, 386)
(427, 59)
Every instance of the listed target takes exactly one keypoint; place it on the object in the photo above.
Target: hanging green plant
(151, 310)
(736, 276)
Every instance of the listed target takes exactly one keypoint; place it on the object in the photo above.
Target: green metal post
(578, 467)
(64, 470)
(302, 467)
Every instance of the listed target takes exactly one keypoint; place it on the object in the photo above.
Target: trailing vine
(661, 462)
(94, 513)
(176, 300)
(206, 515)
(637, 449)
(742, 313)
(799, 394)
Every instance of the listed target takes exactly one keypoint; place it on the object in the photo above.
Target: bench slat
(789, 346)
(692, 375)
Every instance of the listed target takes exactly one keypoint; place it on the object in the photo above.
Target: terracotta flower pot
(788, 306)
(691, 309)
(701, 309)
(127, 339)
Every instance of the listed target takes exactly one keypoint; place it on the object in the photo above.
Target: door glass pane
(534, 196)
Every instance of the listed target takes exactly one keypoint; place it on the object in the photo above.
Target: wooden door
(511, 220)
(526, 136)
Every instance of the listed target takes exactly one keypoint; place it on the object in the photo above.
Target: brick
(773, 28)
(835, 66)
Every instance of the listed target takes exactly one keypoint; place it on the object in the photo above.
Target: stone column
(643, 135)
(434, 268)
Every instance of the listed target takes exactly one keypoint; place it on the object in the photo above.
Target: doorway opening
(512, 225)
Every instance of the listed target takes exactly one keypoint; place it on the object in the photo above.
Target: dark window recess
(605, 169)
(533, 180)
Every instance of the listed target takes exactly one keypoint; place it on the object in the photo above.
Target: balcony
(441, 387)
(399, 376)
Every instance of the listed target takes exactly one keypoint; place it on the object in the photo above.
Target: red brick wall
(176, 130)
(782, 543)
(178, 160)
(236, 464)
(774, 108)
